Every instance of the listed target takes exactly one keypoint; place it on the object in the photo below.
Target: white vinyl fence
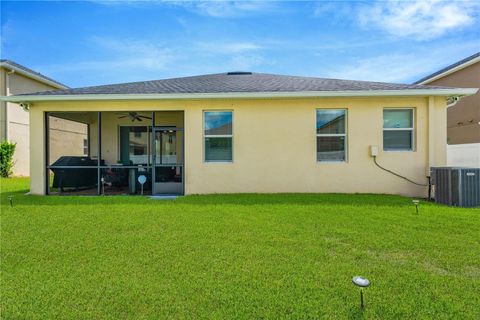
(464, 155)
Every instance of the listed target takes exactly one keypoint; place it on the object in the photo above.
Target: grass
(236, 256)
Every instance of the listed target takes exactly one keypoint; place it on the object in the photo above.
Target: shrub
(7, 149)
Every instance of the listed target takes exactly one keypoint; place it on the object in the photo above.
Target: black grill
(74, 177)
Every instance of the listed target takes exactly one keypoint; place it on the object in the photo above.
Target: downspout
(451, 101)
(431, 143)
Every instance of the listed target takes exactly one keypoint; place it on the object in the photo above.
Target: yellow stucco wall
(274, 144)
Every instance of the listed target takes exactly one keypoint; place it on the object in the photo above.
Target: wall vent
(238, 73)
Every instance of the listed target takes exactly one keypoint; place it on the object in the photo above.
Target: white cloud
(228, 47)
(7, 31)
(418, 19)
(143, 54)
(246, 62)
(128, 59)
(384, 68)
(225, 9)
(211, 8)
(401, 68)
(337, 11)
(138, 3)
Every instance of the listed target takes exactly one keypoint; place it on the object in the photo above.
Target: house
(463, 119)
(241, 132)
(14, 122)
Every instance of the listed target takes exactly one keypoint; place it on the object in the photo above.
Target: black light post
(362, 283)
(102, 180)
(416, 202)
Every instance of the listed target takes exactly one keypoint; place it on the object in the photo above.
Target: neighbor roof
(238, 85)
(451, 68)
(9, 64)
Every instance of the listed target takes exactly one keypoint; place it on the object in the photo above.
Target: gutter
(460, 92)
(32, 75)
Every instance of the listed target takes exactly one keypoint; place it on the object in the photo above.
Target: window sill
(331, 161)
(399, 150)
(217, 161)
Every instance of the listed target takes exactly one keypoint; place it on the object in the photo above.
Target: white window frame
(205, 136)
(411, 129)
(345, 135)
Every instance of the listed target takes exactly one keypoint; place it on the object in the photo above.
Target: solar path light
(10, 199)
(415, 203)
(362, 283)
(142, 179)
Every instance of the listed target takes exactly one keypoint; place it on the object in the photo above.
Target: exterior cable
(396, 174)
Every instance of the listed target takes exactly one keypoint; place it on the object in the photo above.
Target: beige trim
(244, 95)
(457, 68)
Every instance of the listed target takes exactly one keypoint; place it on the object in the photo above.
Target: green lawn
(236, 256)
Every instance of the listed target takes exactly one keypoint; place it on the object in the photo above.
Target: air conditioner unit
(457, 186)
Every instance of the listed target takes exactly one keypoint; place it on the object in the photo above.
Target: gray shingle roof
(28, 70)
(236, 82)
(456, 64)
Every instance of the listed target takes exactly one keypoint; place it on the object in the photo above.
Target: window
(398, 129)
(331, 134)
(85, 147)
(218, 135)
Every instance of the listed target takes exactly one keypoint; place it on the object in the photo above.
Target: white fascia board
(33, 76)
(244, 95)
(449, 71)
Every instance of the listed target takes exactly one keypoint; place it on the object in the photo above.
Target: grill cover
(74, 177)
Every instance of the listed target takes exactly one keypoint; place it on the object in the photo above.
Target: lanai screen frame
(99, 167)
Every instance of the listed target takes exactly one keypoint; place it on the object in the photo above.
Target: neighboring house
(14, 122)
(243, 132)
(463, 118)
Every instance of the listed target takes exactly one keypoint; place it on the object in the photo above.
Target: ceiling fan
(132, 116)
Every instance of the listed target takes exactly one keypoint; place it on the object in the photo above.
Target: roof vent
(237, 73)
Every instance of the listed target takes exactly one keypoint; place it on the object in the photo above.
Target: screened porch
(123, 153)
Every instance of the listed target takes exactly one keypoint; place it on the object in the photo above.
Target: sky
(97, 42)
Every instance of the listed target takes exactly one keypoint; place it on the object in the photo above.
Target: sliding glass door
(168, 175)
